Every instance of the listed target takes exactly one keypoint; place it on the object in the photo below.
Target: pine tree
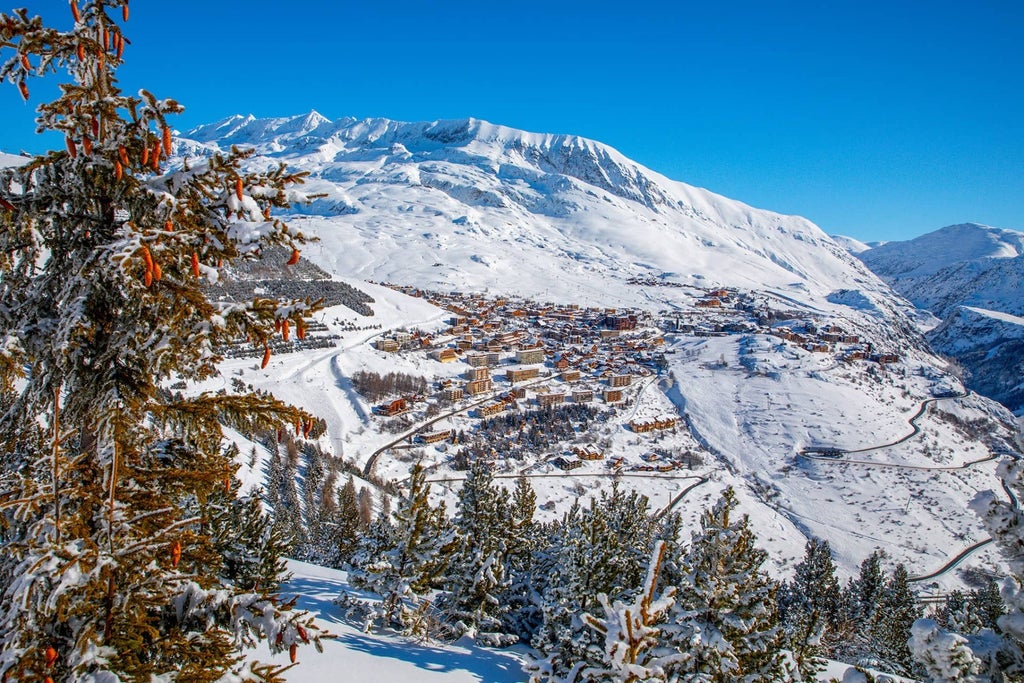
(347, 524)
(890, 629)
(602, 549)
(478, 573)
(412, 560)
(809, 607)
(724, 621)
(945, 656)
(634, 649)
(524, 540)
(109, 483)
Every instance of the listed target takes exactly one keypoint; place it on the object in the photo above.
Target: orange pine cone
(124, 11)
(227, 485)
(24, 90)
(266, 358)
(195, 264)
(147, 257)
(118, 170)
(74, 11)
(300, 329)
(285, 327)
(70, 144)
(298, 426)
(120, 45)
(168, 226)
(103, 60)
(294, 259)
(302, 634)
(81, 51)
(175, 553)
(51, 657)
(167, 140)
(147, 279)
(47, 680)
(25, 63)
(158, 272)
(95, 126)
(145, 156)
(122, 153)
(292, 649)
(238, 188)
(87, 145)
(106, 39)
(277, 325)
(266, 214)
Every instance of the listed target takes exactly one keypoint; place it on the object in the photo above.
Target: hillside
(471, 205)
(966, 275)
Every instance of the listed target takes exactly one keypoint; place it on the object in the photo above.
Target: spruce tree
(477, 574)
(109, 483)
(409, 557)
(725, 622)
(809, 607)
(890, 629)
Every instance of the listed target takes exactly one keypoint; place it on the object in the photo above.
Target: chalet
(528, 356)
(817, 347)
(588, 453)
(612, 395)
(434, 437)
(492, 409)
(445, 355)
(517, 392)
(562, 363)
(654, 425)
(719, 293)
(478, 387)
(570, 376)
(548, 400)
(620, 380)
(885, 358)
(585, 396)
(387, 345)
(464, 344)
(522, 374)
(476, 374)
(396, 407)
(608, 334)
(566, 464)
(713, 302)
(452, 393)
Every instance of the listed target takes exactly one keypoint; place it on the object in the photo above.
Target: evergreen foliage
(890, 628)
(122, 551)
(725, 622)
(810, 608)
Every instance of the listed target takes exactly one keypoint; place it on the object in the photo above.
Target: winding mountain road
(810, 454)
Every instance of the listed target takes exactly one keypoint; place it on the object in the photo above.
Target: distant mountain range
(466, 204)
(971, 277)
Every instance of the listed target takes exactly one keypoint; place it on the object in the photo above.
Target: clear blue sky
(879, 120)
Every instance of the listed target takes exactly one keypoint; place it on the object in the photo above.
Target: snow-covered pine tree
(634, 649)
(109, 482)
(405, 566)
(945, 656)
(809, 607)
(524, 541)
(477, 574)
(860, 598)
(725, 621)
(890, 628)
(601, 549)
(346, 524)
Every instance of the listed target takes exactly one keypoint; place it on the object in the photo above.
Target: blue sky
(880, 120)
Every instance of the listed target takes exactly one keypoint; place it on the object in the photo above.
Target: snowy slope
(851, 244)
(470, 205)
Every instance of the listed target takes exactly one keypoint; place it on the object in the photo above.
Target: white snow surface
(467, 204)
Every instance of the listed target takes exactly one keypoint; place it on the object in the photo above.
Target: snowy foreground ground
(380, 658)
(385, 658)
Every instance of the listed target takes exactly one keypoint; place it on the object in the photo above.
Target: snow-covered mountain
(968, 264)
(972, 276)
(471, 205)
(467, 205)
